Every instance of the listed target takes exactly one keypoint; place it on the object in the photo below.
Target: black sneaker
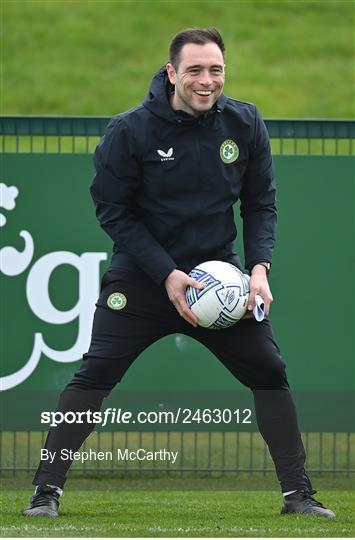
(44, 503)
(302, 502)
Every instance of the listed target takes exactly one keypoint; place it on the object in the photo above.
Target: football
(223, 301)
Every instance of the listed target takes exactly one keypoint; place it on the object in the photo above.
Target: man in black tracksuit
(168, 173)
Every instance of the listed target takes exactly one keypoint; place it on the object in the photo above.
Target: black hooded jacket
(164, 191)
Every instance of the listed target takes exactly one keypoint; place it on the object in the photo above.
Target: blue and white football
(223, 301)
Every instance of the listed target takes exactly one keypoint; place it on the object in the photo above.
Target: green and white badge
(116, 300)
(229, 151)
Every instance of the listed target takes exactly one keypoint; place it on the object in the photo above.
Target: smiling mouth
(203, 93)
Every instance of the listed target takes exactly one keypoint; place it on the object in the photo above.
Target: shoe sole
(313, 514)
(37, 512)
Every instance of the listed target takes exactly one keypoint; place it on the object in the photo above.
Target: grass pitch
(292, 58)
(163, 513)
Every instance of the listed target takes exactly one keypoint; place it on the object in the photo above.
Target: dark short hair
(200, 36)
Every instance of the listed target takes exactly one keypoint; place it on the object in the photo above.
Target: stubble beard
(188, 104)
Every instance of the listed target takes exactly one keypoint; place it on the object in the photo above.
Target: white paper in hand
(258, 311)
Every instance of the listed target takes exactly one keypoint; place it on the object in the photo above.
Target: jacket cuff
(164, 274)
(158, 272)
(250, 265)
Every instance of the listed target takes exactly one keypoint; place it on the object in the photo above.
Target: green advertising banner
(53, 253)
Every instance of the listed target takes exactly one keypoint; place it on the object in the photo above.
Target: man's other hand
(176, 284)
(259, 285)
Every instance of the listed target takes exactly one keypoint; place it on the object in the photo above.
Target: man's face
(198, 79)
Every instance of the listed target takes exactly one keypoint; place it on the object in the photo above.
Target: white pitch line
(185, 530)
(49, 528)
(159, 529)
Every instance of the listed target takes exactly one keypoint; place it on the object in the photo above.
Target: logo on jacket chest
(166, 156)
(229, 151)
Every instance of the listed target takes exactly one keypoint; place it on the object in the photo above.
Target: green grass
(175, 514)
(293, 58)
(175, 482)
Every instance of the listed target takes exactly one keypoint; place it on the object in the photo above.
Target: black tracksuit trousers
(248, 349)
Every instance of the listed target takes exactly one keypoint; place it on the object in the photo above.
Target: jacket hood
(157, 100)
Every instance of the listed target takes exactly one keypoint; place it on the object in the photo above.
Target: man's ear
(171, 72)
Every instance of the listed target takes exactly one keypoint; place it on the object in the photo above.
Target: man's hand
(259, 285)
(176, 284)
